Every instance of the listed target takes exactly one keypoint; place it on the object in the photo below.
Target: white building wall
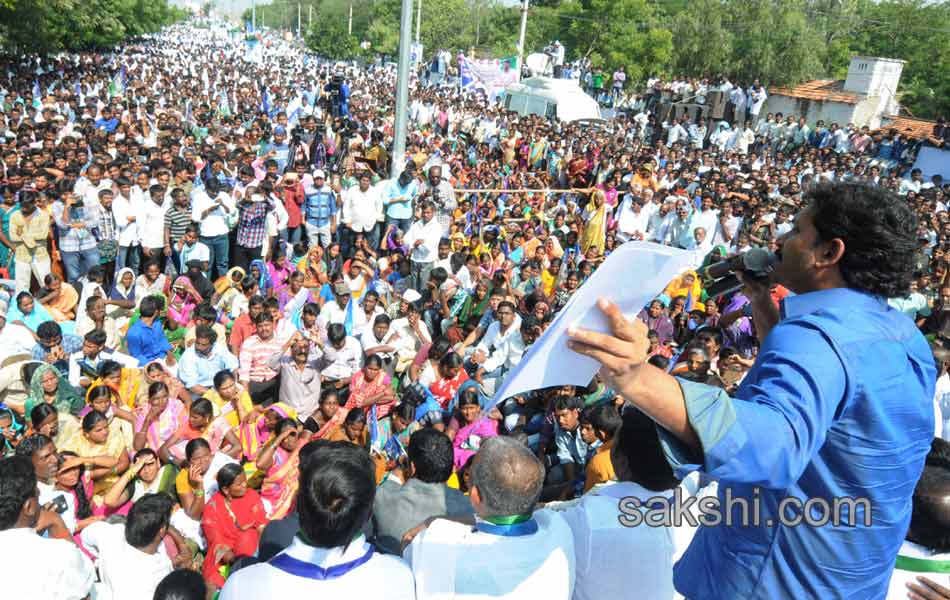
(813, 110)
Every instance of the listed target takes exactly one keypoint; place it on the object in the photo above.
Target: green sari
(68, 400)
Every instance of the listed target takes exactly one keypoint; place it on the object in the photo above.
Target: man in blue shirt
(320, 207)
(838, 405)
(397, 199)
(203, 360)
(146, 339)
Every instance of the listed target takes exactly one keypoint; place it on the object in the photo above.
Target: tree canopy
(45, 26)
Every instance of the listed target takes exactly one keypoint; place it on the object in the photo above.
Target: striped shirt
(176, 221)
(254, 357)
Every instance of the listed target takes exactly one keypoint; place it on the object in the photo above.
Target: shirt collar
(803, 304)
(326, 557)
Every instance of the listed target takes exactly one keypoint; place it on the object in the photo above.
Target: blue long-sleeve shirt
(147, 343)
(838, 404)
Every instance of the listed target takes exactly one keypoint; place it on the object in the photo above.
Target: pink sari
(183, 303)
(173, 418)
(279, 489)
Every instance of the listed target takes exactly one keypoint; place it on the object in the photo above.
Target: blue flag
(689, 301)
(265, 101)
(37, 94)
(348, 319)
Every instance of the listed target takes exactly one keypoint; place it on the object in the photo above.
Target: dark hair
(335, 498)
(636, 454)
(149, 307)
(228, 474)
(17, 486)
(49, 330)
(206, 333)
(196, 444)
(567, 403)
(255, 300)
(660, 362)
(97, 337)
(930, 517)
(156, 387)
(382, 318)
(100, 391)
(373, 359)
(109, 367)
(202, 406)
(450, 361)
(430, 452)
(91, 419)
(336, 333)
(147, 518)
(221, 377)
(32, 444)
(603, 417)
(356, 415)
(207, 312)
(83, 506)
(468, 396)
(41, 412)
(311, 308)
(181, 584)
(405, 411)
(879, 232)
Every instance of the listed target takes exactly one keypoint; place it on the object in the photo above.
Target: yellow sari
(224, 409)
(114, 446)
(595, 229)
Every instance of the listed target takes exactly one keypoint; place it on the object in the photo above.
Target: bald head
(507, 477)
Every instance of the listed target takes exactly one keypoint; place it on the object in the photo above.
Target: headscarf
(264, 280)
(67, 400)
(119, 291)
(225, 283)
(254, 436)
(483, 399)
(183, 304)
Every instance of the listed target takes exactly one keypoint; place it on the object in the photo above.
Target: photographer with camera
(440, 192)
(78, 227)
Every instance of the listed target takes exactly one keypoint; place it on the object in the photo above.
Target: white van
(561, 98)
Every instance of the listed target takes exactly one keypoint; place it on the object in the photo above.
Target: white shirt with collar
(430, 233)
(494, 337)
(126, 572)
(44, 568)
(451, 560)
(127, 232)
(17, 339)
(215, 223)
(76, 358)
(382, 577)
(152, 223)
(362, 209)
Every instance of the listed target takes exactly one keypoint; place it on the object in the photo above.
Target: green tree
(702, 42)
(328, 38)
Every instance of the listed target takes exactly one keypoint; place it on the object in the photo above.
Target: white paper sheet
(633, 275)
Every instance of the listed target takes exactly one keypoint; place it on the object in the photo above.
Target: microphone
(756, 263)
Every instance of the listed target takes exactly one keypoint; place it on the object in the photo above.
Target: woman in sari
(280, 459)
(279, 269)
(690, 288)
(58, 299)
(159, 419)
(596, 223)
(469, 426)
(258, 271)
(57, 426)
(353, 429)
(29, 312)
(313, 268)
(232, 521)
(550, 278)
(202, 424)
(104, 399)
(155, 372)
(49, 386)
(122, 301)
(124, 381)
(450, 379)
(184, 299)
(371, 386)
(230, 400)
(228, 289)
(8, 206)
(327, 417)
(255, 434)
(103, 449)
(152, 282)
(146, 476)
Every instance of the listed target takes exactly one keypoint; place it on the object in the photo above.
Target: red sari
(232, 524)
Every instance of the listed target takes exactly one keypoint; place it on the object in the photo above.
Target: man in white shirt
(211, 209)
(330, 557)
(342, 357)
(84, 364)
(131, 557)
(423, 239)
(633, 221)
(126, 209)
(362, 207)
(34, 566)
(152, 225)
(505, 347)
(528, 554)
(17, 339)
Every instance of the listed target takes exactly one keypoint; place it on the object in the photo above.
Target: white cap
(319, 174)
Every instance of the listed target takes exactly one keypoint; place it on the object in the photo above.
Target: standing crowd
(231, 342)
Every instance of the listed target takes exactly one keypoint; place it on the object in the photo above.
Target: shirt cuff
(712, 415)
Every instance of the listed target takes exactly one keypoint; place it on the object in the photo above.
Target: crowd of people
(232, 343)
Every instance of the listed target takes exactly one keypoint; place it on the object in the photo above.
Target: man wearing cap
(320, 210)
(334, 312)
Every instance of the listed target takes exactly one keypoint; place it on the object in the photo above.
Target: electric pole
(299, 32)
(402, 89)
(349, 21)
(310, 18)
(418, 21)
(254, 15)
(524, 29)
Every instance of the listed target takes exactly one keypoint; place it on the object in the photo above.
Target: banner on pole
(492, 75)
